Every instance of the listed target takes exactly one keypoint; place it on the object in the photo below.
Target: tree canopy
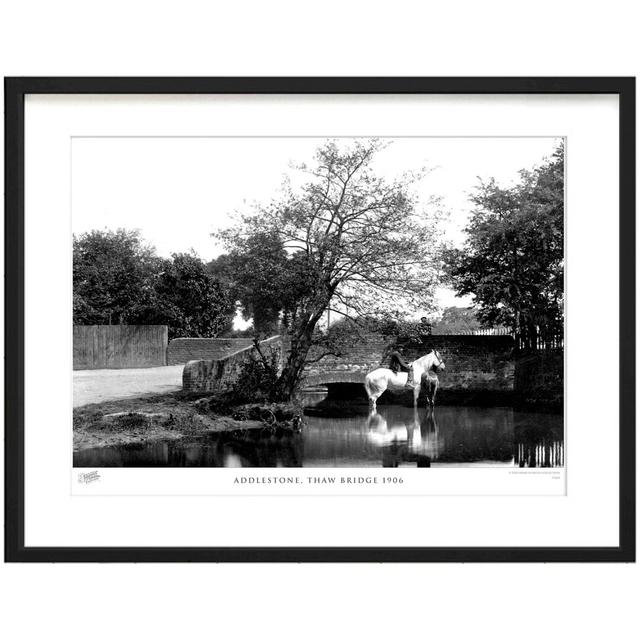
(513, 259)
(188, 299)
(457, 320)
(118, 279)
(112, 276)
(257, 274)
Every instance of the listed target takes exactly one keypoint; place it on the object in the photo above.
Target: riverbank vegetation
(173, 416)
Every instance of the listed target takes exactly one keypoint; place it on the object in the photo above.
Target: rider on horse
(398, 363)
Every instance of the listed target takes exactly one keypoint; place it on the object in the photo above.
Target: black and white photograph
(321, 302)
(320, 320)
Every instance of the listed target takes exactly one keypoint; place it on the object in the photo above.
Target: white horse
(379, 380)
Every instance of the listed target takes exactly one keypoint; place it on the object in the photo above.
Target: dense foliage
(513, 260)
(188, 299)
(263, 278)
(118, 279)
(257, 380)
(457, 320)
(112, 276)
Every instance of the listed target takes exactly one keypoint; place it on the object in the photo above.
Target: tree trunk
(293, 367)
(300, 344)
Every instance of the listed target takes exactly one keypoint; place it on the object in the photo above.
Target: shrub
(256, 382)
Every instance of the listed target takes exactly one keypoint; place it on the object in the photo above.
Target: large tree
(118, 279)
(112, 276)
(188, 299)
(356, 242)
(256, 274)
(513, 259)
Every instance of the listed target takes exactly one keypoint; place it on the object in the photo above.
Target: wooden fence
(541, 341)
(491, 331)
(119, 346)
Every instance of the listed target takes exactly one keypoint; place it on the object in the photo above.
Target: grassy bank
(168, 417)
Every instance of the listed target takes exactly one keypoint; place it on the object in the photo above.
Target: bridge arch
(333, 377)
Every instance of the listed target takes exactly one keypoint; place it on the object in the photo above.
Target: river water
(393, 436)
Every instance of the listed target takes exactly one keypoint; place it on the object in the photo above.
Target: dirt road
(110, 384)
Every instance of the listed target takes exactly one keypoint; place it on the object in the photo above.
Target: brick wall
(472, 363)
(182, 350)
(363, 356)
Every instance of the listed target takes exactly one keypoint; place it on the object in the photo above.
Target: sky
(177, 191)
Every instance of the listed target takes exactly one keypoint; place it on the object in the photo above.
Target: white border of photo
(466, 507)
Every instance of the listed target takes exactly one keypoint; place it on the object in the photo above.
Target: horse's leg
(377, 395)
(416, 393)
(433, 397)
(430, 387)
(373, 397)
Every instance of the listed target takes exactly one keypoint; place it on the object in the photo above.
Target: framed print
(320, 319)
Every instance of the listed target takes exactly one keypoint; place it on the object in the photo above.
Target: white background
(488, 38)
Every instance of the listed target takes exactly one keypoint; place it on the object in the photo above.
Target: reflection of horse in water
(399, 432)
(424, 370)
(405, 440)
(430, 443)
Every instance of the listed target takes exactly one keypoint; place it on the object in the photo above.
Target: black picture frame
(15, 91)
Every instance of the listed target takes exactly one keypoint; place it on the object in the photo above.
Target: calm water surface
(394, 436)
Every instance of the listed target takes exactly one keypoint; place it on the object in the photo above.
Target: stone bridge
(334, 377)
(475, 365)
